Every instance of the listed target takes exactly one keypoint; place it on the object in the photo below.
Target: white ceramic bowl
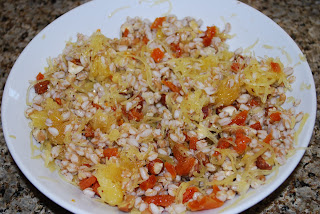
(248, 25)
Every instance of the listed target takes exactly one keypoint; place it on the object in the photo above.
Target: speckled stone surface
(21, 20)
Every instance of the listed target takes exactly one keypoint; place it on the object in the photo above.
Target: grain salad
(163, 120)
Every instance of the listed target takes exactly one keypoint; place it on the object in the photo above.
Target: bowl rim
(73, 208)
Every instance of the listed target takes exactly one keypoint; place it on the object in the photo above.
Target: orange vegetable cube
(87, 182)
(205, 203)
(184, 167)
(256, 126)
(148, 183)
(125, 33)
(240, 118)
(40, 76)
(158, 22)
(275, 67)
(193, 143)
(188, 194)
(157, 54)
(159, 200)
(275, 117)
(110, 152)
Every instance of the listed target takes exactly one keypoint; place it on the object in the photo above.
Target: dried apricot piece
(268, 138)
(241, 142)
(40, 76)
(193, 143)
(240, 118)
(275, 67)
(125, 33)
(110, 152)
(148, 183)
(256, 126)
(223, 143)
(210, 33)
(235, 67)
(158, 22)
(88, 132)
(275, 117)
(176, 49)
(159, 200)
(87, 182)
(157, 54)
(205, 203)
(184, 167)
(170, 169)
(188, 194)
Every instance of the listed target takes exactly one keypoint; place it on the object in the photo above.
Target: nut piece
(202, 158)
(127, 204)
(41, 87)
(155, 166)
(262, 164)
(39, 135)
(73, 68)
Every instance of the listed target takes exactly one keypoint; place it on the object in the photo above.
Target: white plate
(248, 24)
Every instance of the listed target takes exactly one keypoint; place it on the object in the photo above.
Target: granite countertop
(21, 20)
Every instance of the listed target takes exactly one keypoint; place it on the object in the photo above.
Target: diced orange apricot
(188, 194)
(235, 67)
(158, 22)
(40, 76)
(159, 200)
(193, 143)
(135, 114)
(184, 167)
(157, 55)
(256, 126)
(275, 67)
(254, 102)
(205, 203)
(145, 39)
(125, 33)
(148, 183)
(210, 33)
(275, 117)
(88, 132)
(87, 182)
(240, 118)
(110, 152)
(241, 142)
(223, 143)
(268, 138)
(176, 49)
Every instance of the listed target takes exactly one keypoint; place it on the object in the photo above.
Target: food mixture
(164, 119)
